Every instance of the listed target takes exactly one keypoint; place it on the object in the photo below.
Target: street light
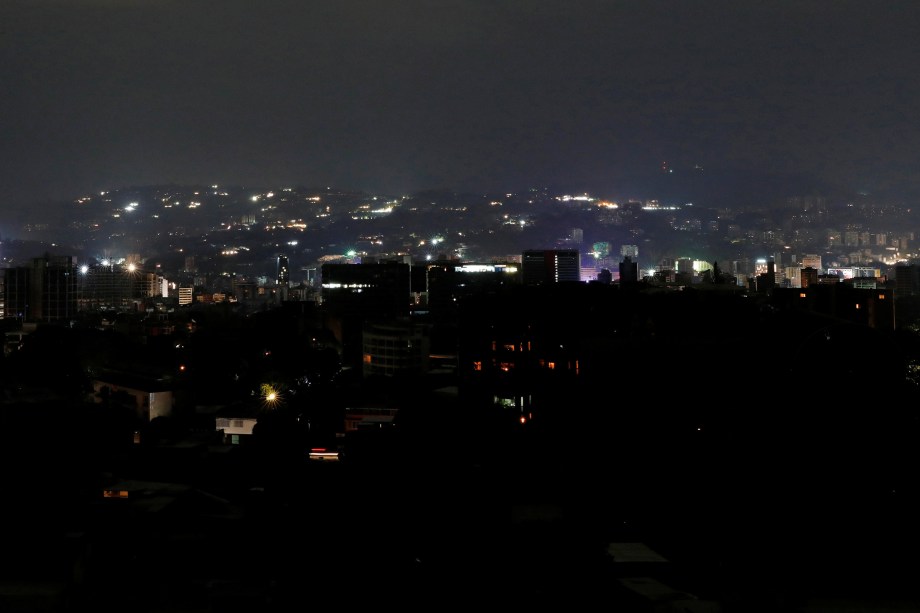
(270, 395)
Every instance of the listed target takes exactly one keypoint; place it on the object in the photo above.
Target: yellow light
(270, 395)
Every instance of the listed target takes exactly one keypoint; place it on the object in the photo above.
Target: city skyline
(703, 100)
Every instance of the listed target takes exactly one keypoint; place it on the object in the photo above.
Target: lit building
(185, 296)
(793, 276)
(812, 260)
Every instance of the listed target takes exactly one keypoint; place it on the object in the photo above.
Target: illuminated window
(881, 296)
(508, 347)
(367, 358)
(551, 365)
(506, 366)
(802, 295)
(857, 307)
(477, 365)
(494, 344)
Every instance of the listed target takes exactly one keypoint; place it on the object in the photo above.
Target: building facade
(539, 267)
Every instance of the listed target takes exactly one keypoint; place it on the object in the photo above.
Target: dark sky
(396, 96)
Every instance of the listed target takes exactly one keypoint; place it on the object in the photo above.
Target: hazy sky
(395, 96)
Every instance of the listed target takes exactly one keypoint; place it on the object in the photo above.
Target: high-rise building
(550, 266)
(812, 260)
(283, 275)
(809, 277)
(354, 294)
(629, 271)
(185, 296)
(45, 290)
(792, 276)
(122, 287)
(397, 346)
(907, 280)
(282, 278)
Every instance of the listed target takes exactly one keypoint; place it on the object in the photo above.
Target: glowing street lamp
(270, 396)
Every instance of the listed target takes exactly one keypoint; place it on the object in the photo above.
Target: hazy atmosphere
(613, 96)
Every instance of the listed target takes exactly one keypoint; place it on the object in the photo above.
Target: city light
(270, 395)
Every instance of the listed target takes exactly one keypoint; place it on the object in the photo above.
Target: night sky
(483, 95)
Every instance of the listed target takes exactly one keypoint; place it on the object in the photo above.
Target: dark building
(111, 287)
(809, 276)
(907, 280)
(283, 274)
(448, 283)
(873, 308)
(353, 294)
(398, 346)
(550, 266)
(629, 271)
(44, 291)
(282, 278)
